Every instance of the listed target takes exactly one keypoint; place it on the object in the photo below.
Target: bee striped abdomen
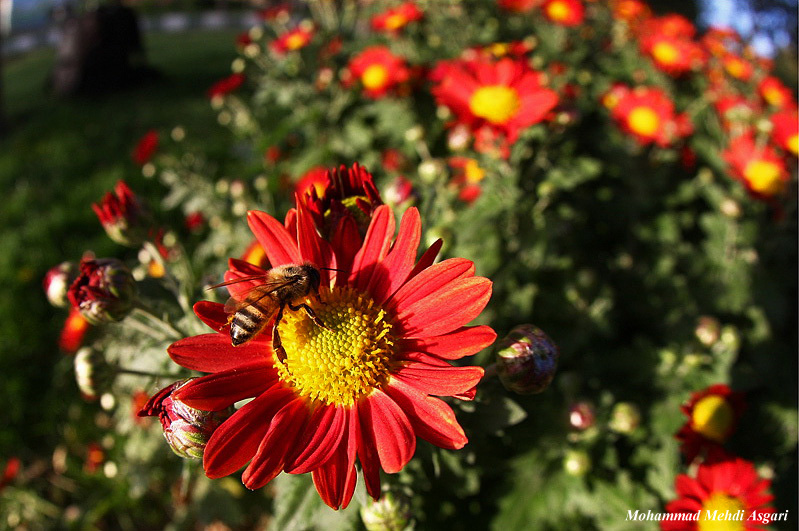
(246, 324)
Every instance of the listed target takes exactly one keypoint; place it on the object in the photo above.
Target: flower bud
(624, 418)
(389, 513)
(104, 291)
(399, 191)
(527, 360)
(582, 416)
(92, 373)
(125, 218)
(186, 429)
(708, 330)
(56, 283)
(576, 463)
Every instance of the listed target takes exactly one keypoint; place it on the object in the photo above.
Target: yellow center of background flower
(763, 176)
(773, 96)
(793, 144)
(474, 173)
(295, 41)
(720, 502)
(374, 77)
(339, 365)
(712, 417)
(495, 103)
(735, 67)
(558, 11)
(396, 21)
(665, 53)
(644, 121)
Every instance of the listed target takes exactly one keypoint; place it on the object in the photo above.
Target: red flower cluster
(393, 20)
(647, 114)
(292, 40)
(713, 414)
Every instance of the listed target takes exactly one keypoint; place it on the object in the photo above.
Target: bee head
(310, 277)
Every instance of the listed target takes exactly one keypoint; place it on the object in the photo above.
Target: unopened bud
(624, 418)
(576, 463)
(582, 416)
(708, 330)
(527, 360)
(186, 429)
(399, 191)
(389, 513)
(104, 292)
(92, 373)
(57, 281)
(124, 216)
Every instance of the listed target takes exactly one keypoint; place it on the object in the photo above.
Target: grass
(58, 158)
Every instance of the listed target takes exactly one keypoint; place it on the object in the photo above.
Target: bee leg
(318, 322)
(277, 344)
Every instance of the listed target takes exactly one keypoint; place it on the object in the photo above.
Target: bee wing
(255, 294)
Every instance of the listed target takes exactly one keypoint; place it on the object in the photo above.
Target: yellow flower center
(763, 176)
(735, 67)
(558, 11)
(474, 173)
(296, 41)
(339, 365)
(712, 417)
(665, 53)
(718, 512)
(374, 77)
(773, 96)
(495, 103)
(396, 21)
(644, 121)
(793, 144)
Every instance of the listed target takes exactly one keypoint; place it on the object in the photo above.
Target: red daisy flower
(393, 20)
(775, 93)
(785, 132)
(721, 41)
(315, 178)
(631, 11)
(518, 6)
(361, 387)
(712, 416)
(564, 12)
(145, 148)
(672, 25)
(226, 86)
(292, 40)
(648, 115)
(758, 167)
(467, 177)
(505, 96)
(75, 328)
(723, 496)
(737, 67)
(672, 55)
(379, 70)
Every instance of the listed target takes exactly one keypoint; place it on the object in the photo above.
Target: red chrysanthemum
(721, 41)
(10, 472)
(672, 55)
(226, 86)
(737, 67)
(378, 70)
(564, 12)
(75, 328)
(315, 178)
(393, 20)
(145, 148)
(293, 40)
(518, 6)
(712, 415)
(467, 175)
(758, 167)
(727, 495)
(648, 115)
(361, 387)
(785, 130)
(672, 25)
(505, 96)
(775, 93)
(631, 11)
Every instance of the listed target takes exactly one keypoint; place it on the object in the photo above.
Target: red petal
(237, 439)
(280, 439)
(276, 240)
(393, 435)
(225, 388)
(213, 314)
(291, 223)
(398, 263)
(312, 247)
(335, 479)
(441, 381)
(322, 435)
(431, 418)
(446, 310)
(346, 241)
(427, 258)
(429, 281)
(367, 455)
(462, 342)
(245, 268)
(374, 248)
(242, 277)
(213, 352)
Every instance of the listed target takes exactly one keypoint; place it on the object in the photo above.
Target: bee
(250, 312)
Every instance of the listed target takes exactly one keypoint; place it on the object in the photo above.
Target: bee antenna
(331, 269)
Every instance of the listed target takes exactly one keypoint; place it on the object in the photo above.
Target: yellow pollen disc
(339, 365)
(374, 77)
(644, 121)
(712, 417)
(793, 144)
(735, 68)
(717, 506)
(558, 11)
(763, 176)
(773, 96)
(665, 53)
(295, 41)
(396, 21)
(495, 103)
(474, 173)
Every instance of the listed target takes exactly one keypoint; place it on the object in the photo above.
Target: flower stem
(122, 370)
(147, 314)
